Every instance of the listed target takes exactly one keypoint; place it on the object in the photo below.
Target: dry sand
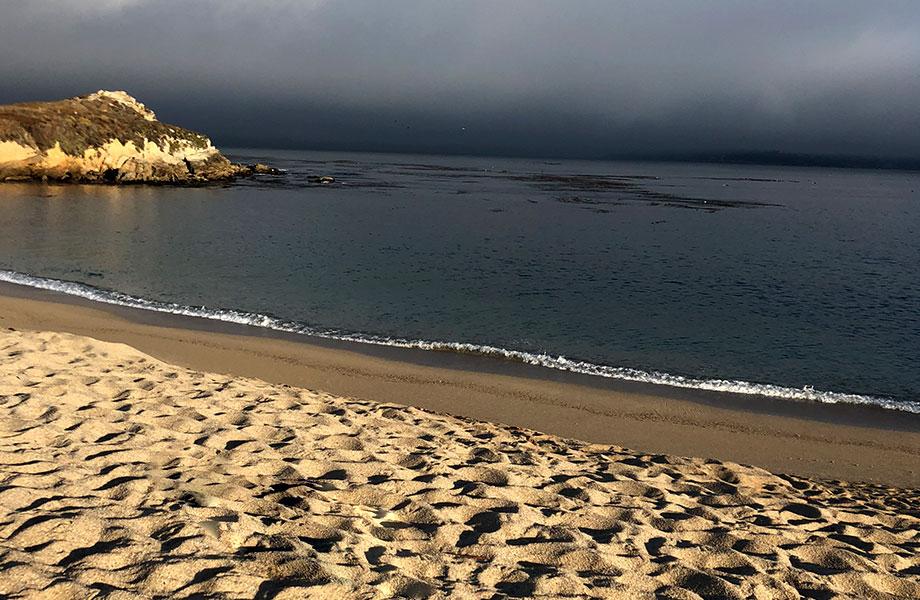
(125, 477)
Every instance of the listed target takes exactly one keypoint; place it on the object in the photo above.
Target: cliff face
(106, 137)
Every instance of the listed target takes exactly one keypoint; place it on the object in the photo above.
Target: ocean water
(801, 283)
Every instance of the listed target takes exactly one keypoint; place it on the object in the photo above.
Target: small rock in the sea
(263, 169)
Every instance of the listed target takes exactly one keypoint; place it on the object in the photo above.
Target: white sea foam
(561, 363)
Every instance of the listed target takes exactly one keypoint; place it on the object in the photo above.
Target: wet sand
(829, 441)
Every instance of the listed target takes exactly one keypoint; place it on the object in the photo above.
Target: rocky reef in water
(106, 137)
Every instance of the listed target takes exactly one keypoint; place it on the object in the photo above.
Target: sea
(794, 283)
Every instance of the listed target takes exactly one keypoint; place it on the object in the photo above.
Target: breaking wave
(560, 363)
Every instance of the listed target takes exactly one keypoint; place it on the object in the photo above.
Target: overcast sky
(522, 77)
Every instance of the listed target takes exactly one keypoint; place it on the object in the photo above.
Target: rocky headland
(106, 137)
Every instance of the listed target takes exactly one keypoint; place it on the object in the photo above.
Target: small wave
(560, 363)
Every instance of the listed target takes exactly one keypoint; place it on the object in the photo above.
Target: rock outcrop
(106, 137)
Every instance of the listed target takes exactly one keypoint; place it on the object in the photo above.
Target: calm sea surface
(802, 283)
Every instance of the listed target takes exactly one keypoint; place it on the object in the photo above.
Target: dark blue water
(804, 279)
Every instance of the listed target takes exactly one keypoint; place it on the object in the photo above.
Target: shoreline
(420, 350)
(828, 441)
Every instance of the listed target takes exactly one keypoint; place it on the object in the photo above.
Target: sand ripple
(124, 477)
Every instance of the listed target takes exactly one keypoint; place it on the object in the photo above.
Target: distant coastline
(741, 157)
(781, 159)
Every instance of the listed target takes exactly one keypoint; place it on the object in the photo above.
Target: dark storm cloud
(579, 78)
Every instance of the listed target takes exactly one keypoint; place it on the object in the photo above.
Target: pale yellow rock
(126, 99)
(14, 152)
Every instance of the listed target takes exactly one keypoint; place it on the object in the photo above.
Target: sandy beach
(126, 477)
